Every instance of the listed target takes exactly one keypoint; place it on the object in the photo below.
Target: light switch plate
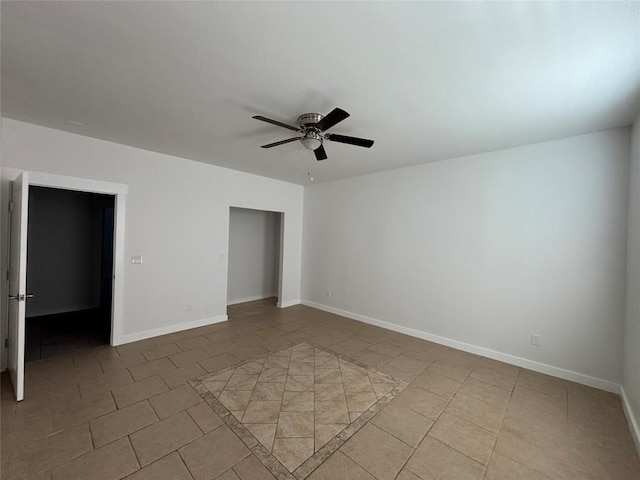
(136, 259)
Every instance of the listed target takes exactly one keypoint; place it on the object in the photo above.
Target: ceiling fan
(312, 126)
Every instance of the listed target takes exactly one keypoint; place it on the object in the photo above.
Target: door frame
(280, 266)
(119, 191)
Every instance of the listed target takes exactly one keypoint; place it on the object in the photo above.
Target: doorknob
(21, 297)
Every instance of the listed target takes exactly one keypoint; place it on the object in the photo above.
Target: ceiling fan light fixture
(311, 140)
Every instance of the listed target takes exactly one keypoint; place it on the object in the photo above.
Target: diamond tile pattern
(296, 400)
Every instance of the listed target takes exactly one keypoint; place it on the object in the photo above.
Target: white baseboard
(634, 426)
(288, 303)
(485, 352)
(251, 299)
(134, 337)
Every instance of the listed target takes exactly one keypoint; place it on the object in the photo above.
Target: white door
(18, 282)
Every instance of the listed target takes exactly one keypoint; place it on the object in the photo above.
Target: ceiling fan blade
(335, 116)
(281, 142)
(320, 153)
(360, 142)
(275, 122)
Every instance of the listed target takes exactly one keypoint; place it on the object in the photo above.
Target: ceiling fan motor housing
(309, 120)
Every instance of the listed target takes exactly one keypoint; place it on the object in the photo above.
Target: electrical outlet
(189, 307)
(136, 259)
(535, 339)
(328, 293)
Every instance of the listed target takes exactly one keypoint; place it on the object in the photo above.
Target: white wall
(485, 250)
(254, 254)
(177, 218)
(631, 383)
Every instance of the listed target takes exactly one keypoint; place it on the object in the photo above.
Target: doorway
(69, 271)
(255, 252)
(16, 283)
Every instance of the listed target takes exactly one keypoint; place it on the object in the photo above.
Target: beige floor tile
(79, 411)
(241, 382)
(219, 362)
(403, 423)
(330, 413)
(298, 402)
(100, 464)
(372, 359)
(49, 452)
(455, 372)
(277, 361)
(188, 357)
(360, 401)
(228, 475)
(160, 439)
(265, 433)
(170, 467)
(435, 460)
(407, 475)
(483, 414)
(161, 351)
(552, 462)
(472, 440)
(503, 378)
(398, 374)
(329, 392)
(137, 391)
(501, 468)
(149, 369)
(548, 407)
(174, 401)
(301, 369)
(268, 391)
(235, 400)
(299, 383)
(252, 469)
(214, 453)
(179, 376)
(292, 452)
(339, 466)
(119, 363)
(542, 383)
(122, 422)
(485, 392)
(356, 383)
(378, 452)
(193, 342)
(273, 375)
(350, 369)
(99, 384)
(326, 362)
(262, 411)
(422, 401)
(437, 384)
(408, 364)
(324, 433)
(328, 375)
(382, 389)
(295, 424)
(205, 417)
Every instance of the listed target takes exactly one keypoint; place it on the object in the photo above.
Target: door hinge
(6, 343)
(11, 206)
(8, 274)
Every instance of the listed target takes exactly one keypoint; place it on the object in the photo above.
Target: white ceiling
(427, 81)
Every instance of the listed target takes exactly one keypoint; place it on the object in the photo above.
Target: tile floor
(299, 404)
(129, 412)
